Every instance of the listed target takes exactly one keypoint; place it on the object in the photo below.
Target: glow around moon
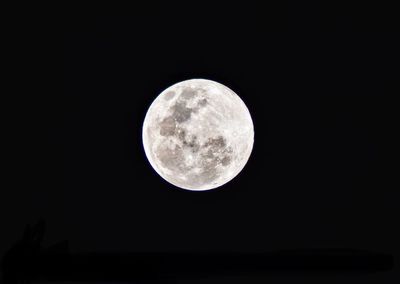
(198, 134)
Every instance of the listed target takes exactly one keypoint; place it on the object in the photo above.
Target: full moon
(198, 134)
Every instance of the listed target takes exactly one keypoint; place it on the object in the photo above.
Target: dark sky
(319, 82)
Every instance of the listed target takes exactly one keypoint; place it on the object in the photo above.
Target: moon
(198, 134)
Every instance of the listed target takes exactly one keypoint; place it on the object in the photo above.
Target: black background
(319, 81)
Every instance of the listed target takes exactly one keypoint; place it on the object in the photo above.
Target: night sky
(318, 80)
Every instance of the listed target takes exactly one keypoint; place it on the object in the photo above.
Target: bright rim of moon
(198, 134)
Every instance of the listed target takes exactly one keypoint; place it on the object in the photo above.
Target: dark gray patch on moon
(193, 144)
(218, 151)
(202, 102)
(169, 95)
(188, 94)
(181, 113)
(181, 133)
(226, 160)
(215, 143)
(167, 126)
(171, 159)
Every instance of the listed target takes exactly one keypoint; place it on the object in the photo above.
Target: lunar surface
(198, 134)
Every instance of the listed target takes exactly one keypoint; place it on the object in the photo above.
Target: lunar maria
(198, 134)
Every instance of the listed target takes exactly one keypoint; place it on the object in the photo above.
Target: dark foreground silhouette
(27, 261)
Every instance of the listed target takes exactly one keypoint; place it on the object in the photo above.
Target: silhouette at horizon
(29, 261)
